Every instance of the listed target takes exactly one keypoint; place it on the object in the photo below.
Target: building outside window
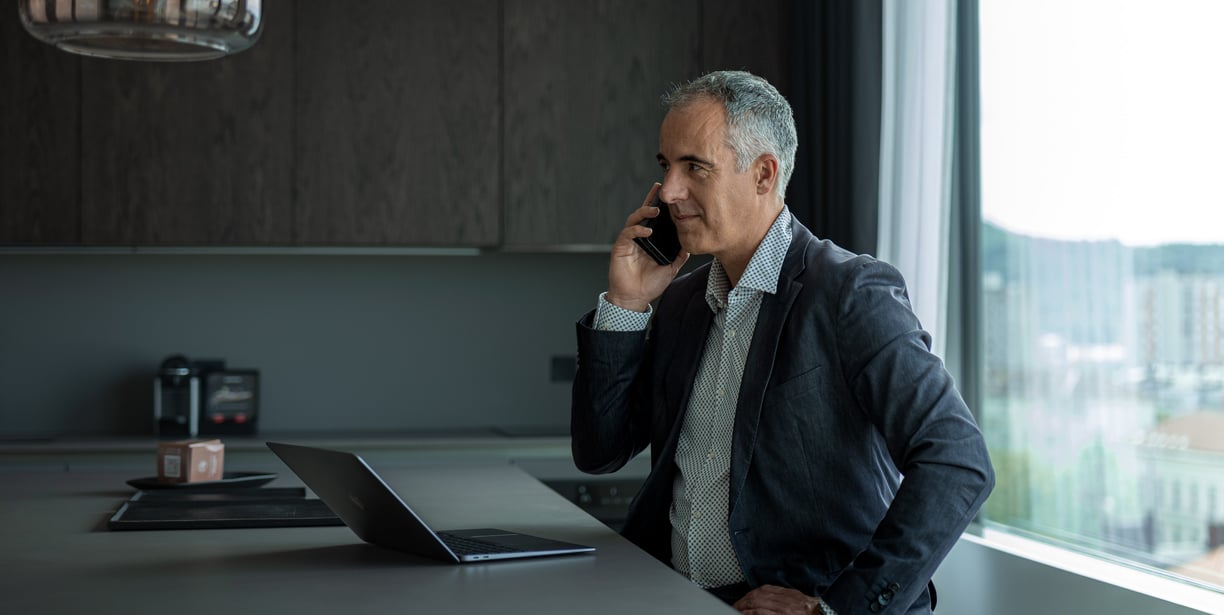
(1103, 277)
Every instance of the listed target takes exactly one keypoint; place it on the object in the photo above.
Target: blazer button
(884, 599)
(875, 608)
(894, 587)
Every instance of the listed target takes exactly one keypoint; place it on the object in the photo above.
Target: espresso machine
(203, 398)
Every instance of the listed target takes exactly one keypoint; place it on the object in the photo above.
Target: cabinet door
(397, 124)
(195, 153)
(39, 203)
(751, 35)
(583, 82)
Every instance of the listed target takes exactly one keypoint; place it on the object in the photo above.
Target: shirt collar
(764, 267)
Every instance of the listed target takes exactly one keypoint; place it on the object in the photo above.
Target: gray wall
(342, 342)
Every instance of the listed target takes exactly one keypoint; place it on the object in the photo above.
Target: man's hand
(777, 600)
(634, 279)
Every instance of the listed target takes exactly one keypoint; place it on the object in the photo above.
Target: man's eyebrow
(687, 158)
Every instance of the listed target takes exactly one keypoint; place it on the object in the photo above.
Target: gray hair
(759, 120)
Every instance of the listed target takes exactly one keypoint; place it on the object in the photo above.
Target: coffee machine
(198, 398)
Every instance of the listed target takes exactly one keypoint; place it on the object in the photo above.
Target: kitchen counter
(543, 453)
(339, 439)
(60, 558)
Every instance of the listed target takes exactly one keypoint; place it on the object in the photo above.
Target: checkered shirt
(701, 540)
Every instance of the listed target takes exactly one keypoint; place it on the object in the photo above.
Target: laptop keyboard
(469, 546)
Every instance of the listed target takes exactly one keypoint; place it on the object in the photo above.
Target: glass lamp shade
(158, 30)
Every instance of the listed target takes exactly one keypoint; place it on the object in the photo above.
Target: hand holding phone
(634, 282)
(663, 244)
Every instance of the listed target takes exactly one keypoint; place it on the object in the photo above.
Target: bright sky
(1104, 119)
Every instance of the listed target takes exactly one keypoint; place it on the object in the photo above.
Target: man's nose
(672, 190)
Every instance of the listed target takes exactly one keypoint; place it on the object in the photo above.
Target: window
(1103, 276)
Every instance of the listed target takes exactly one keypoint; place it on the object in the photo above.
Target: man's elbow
(592, 460)
(982, 477)
(989, 476)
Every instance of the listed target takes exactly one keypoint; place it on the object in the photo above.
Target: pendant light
(158, 30)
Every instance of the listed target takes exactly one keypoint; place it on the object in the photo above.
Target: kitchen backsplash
(342, 342)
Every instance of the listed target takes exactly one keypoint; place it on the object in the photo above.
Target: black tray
(289, 512)
(228, 480)
(218, 494)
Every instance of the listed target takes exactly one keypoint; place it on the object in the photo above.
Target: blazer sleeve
(931, 437)
(609, 424)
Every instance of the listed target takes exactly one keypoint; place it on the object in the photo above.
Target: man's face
(716, 208)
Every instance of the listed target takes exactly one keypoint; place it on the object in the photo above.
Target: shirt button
(696, 514)
(731, 333)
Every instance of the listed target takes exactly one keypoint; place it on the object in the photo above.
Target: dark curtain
(835, 92)
(834, 86)
(964, 348)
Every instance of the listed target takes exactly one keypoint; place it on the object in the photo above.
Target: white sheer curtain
(916, 137)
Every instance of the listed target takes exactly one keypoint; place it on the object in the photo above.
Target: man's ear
(765, 173)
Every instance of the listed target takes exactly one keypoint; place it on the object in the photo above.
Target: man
(785, 389)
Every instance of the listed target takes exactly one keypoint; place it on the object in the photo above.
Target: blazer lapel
(683, 365)
(760, 362)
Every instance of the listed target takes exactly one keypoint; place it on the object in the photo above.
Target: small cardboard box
(189, 461)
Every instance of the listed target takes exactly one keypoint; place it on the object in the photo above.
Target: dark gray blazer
(841, 398)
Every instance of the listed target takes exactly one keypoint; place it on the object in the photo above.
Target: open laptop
(377, 514)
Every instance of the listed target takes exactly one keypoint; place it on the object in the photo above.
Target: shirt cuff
(610, 317)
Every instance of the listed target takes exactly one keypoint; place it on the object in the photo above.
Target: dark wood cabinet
(748, 35)
(523, 124)
(582, 86)
(397, 123)
(39, 116)
(195, 153)
(583, 83)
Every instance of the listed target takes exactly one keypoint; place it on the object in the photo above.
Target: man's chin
(691, 244)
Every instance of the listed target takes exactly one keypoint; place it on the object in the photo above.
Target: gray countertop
(59, 557)
(541, 452)
(476, 437)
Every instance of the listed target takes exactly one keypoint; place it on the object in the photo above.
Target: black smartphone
(663, 245)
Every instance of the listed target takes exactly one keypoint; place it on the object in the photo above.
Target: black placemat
(243, 511)
(219, 495)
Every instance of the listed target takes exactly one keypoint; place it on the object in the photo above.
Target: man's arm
(608, 425)
(931, 437)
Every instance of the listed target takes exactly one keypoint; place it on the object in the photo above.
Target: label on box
(187, 461)
(171, 466)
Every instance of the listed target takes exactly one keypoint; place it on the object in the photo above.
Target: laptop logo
(356, 501)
